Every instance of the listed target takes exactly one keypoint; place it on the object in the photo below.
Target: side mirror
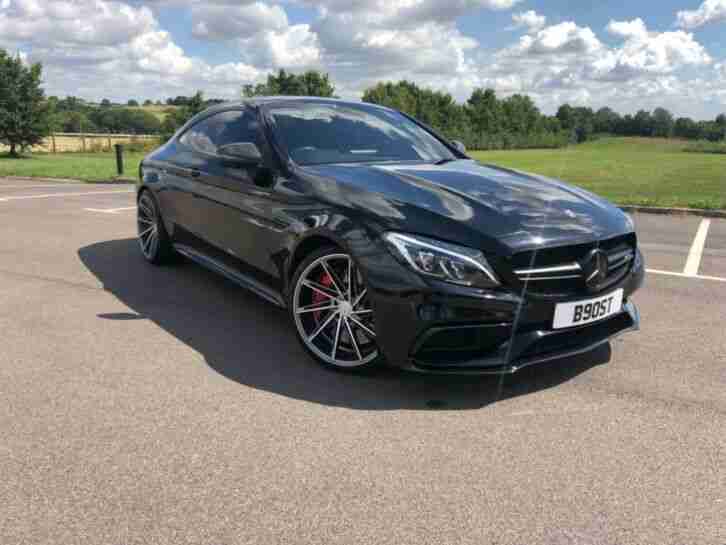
(244, 152)
(459, 146)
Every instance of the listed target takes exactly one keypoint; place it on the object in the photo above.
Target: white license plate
(588, 311)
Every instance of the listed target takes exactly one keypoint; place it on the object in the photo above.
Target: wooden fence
(85, 142)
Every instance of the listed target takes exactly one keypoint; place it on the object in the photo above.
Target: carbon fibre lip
(510, 369)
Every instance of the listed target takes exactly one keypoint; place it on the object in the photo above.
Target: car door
(239, 219)
(182, 171)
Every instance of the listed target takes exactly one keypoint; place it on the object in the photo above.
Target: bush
(510, 141)
(705, 146)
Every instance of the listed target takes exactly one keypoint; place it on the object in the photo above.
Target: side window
(223, 128)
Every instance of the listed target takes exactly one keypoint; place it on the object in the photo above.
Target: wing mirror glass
(459, 146)
(244, 152)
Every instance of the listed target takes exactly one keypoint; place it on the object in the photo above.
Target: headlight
(448, 262)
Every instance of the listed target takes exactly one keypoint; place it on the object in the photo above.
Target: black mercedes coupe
(385, 242)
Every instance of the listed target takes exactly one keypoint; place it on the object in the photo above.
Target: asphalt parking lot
(166, 405)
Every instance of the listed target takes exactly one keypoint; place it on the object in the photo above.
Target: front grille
(564, 270)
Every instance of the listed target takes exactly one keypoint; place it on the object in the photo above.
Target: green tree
(721, 124)
(643, 122)
(24, 112)
(566, 115)
(133, 103)
(178, 116)
(75, 122)
(70, 104)
(663, 123)
(399, 96)
(136, 121)
(685, 127)
(551, 124)
(484, 122)
(485, 112)
(311, 83)
(626, 126)
(584, 124)
(579, 122)
(433, 108)
(606, 121)
(105, 103)
(520, 115)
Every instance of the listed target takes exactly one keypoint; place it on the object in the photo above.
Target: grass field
(641, 171)
(625, 170)
(160, 112)
(80, 166)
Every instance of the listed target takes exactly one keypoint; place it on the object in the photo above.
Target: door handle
(195, 173)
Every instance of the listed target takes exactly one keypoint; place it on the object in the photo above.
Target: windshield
(317, 133)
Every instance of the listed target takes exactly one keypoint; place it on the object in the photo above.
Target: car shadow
(253, 343)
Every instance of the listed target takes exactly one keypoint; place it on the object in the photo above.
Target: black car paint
(220, 214)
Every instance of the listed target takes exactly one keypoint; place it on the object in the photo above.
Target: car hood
(467, 202)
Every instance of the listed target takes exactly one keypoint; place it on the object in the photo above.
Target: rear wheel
(153, 239)
(332, 311)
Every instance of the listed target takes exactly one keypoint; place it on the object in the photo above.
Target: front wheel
(332, 312)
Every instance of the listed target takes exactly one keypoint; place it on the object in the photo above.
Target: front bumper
(451, 330)
(559, 345)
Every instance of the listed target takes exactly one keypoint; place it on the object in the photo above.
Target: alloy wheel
(148, 226)
(333, 314)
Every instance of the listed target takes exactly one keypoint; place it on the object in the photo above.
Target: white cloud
(221, 22)
(118, 49)
(711, 11)
(259, 31)
(61, 22)
(408, 11)
(156, 52)
(569, 63)
(564, 38)
(108, 48)
(649, 52)
(292, 47)
(430, 47)
(628, 29)
(530, 20)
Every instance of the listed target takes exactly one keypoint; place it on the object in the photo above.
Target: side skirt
(236, 277)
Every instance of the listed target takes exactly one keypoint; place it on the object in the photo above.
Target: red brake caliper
(318, 297)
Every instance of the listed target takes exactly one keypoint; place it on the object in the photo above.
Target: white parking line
(111, 210)
(683, 275)
(2, 186)
(51, 195)
(699, 243)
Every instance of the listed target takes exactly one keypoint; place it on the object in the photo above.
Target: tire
(335, 325)
(153, 239)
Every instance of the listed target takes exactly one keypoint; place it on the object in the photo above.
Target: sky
(629, 55)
